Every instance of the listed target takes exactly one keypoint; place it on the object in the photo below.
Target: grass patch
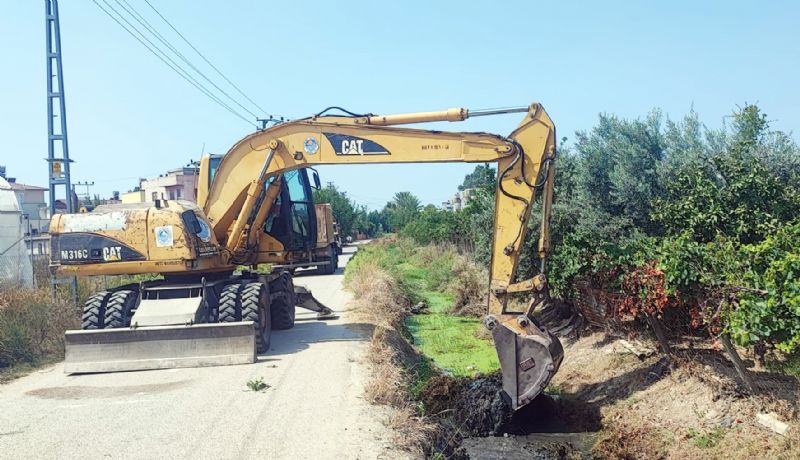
(18, 370)
(706, 440)
(439, 277)
(789, 364)
(451, 342)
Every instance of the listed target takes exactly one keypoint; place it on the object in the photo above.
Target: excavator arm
(238, 201)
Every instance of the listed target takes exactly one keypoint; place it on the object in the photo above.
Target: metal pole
(50, 141)
(63, 110)
(53, 36)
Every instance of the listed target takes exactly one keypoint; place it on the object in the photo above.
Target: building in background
(459, 200)
(134, 196)
(15, 263)
(35, 215)
(176, 184)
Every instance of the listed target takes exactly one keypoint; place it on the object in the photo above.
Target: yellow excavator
(255, 207)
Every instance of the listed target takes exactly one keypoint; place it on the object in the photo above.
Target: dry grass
(388, 383)
(412, 431)
(32, 325)
(378, 299)
(469, 288)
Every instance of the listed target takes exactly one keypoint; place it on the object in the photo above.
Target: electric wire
(176, 68)
(203, 57)
(146, 24)
(180, 69)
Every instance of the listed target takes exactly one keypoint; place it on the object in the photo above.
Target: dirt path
(313, 408)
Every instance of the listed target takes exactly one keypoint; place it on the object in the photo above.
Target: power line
(174, 66)
(146, 24)
(204, 58)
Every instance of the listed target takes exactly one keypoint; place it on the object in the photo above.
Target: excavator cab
(292, 218)
(294, 221)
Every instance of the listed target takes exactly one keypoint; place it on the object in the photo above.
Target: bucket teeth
(529, 357)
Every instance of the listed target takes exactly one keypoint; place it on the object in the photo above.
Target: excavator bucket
(159, 347)
(529, 357)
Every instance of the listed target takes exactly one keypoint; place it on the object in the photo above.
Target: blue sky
(130, 116)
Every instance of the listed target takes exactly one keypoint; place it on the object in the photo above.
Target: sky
(130, 116)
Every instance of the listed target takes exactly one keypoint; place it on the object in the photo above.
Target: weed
(32, 325)
(553, 389)
(786, 364)
(257, 384)
(706, 440)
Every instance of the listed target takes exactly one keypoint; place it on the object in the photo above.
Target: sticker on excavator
(161, 347)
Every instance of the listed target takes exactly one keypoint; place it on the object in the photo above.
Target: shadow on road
(306, 333)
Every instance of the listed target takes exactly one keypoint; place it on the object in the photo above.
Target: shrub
(32, 325)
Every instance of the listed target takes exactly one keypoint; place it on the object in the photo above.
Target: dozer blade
(529, 356)
(159, 347)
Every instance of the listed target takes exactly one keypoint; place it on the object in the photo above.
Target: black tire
(282, 302)
(230, 308)
(94, 311)
(255, 308)
(119, 308)
(330, 267)
(333, 261)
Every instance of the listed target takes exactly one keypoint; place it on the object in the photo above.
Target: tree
(743, 190)
(484, 176)
(403, 208)
(619, 167)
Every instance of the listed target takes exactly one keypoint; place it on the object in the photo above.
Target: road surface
(313, 408)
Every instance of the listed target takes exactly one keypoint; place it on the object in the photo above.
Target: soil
(607, 402)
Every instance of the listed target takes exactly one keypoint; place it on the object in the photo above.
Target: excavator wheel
(119, 308)
(256, 308)
(282, 300)
(94, 311)
(333, 263)
(230, 309)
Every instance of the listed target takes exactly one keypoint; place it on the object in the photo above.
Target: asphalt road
(313, 408)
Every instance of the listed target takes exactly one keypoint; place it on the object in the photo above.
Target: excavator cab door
(294, 224)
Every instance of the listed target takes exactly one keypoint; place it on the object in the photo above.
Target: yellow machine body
(235, 201)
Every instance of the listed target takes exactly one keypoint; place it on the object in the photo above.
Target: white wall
(15, 264)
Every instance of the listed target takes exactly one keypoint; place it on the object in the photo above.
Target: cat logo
(112, 253)
(351, 145)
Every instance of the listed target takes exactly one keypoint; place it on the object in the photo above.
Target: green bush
(768, 306)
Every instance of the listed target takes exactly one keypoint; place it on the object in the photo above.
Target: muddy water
(548, 428)
(538, 446)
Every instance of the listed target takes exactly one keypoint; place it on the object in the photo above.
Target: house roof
(23, 187)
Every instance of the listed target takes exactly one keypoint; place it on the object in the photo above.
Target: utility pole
(58, 161)
(86, 197)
